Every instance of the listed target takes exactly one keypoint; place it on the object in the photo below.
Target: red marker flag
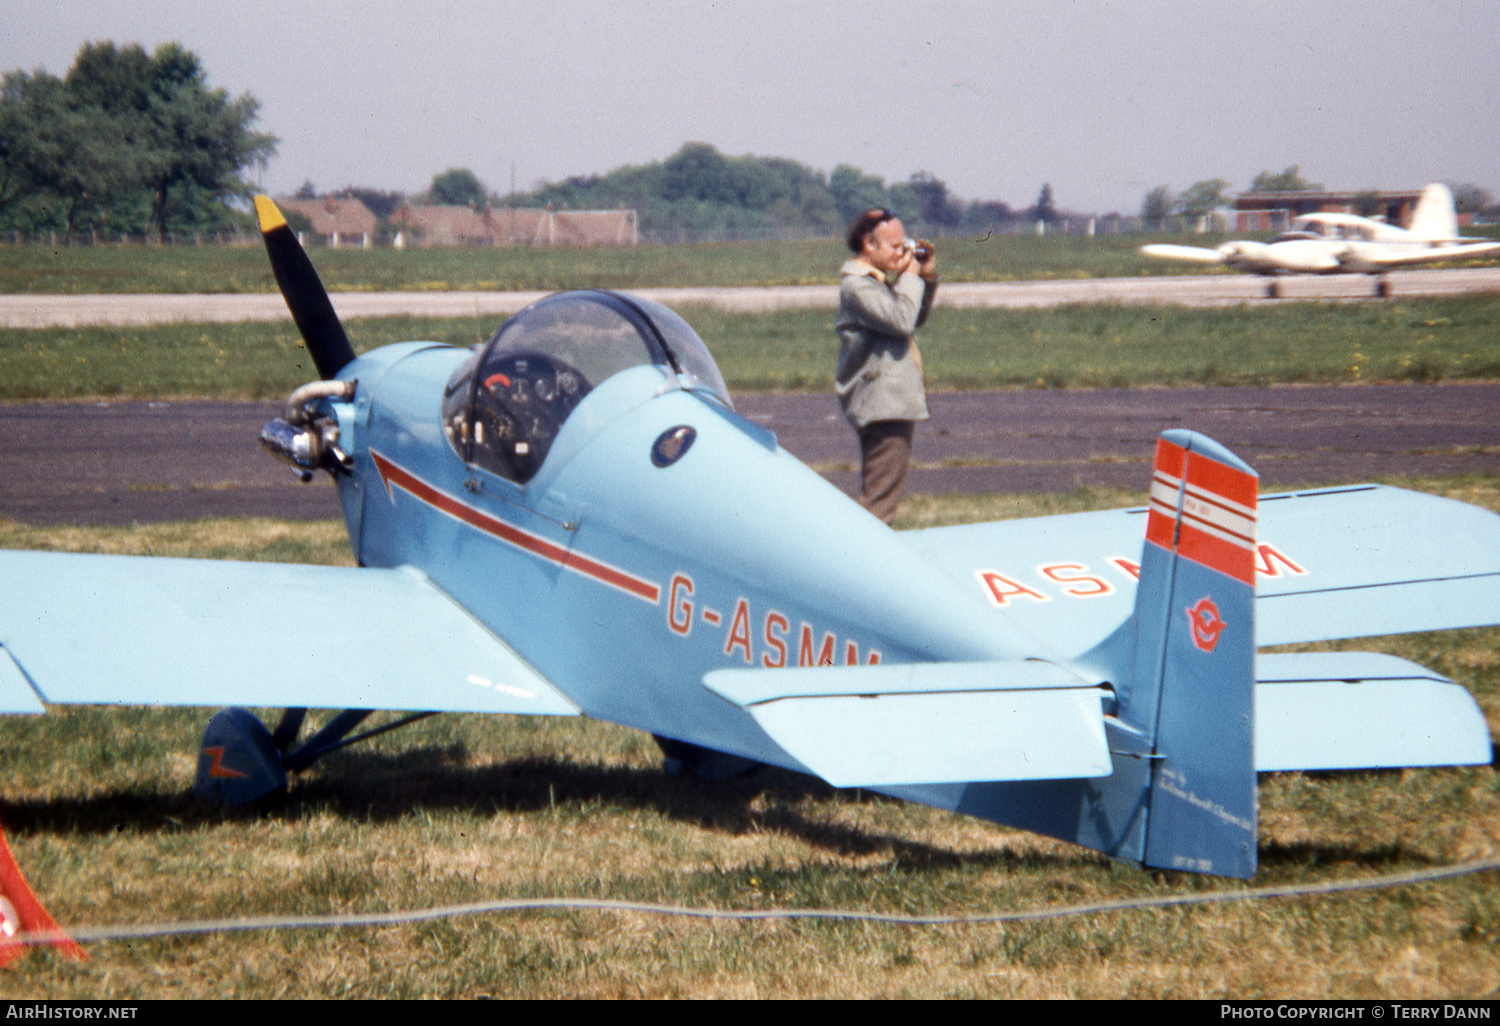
(20, 913)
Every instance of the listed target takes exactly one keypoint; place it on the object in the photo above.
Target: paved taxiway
(26, 311)
(119, 462)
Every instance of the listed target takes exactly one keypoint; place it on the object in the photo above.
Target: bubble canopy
(504, 405)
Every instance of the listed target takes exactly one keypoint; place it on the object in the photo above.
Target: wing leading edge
(101, 629)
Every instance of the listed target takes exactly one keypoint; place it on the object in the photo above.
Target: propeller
(303, 291)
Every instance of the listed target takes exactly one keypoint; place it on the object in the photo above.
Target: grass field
(89, 269)
(468, 808)
(133, 268)
(1072, 346)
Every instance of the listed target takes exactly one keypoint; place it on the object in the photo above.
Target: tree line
(125, 143)
(700, 190)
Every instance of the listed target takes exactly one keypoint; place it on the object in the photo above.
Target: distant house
(336, 221)
(503, 226)
(443, 226)
(1272, 211)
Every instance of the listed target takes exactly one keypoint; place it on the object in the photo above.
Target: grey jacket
(880, 370)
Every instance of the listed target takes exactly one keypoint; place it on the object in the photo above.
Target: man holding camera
(885, 294)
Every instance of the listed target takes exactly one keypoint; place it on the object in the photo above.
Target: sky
(1102, 100)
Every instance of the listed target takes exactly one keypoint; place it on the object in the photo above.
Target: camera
(922, 250)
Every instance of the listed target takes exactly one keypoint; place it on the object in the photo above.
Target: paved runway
(28, 311)
(124, 462)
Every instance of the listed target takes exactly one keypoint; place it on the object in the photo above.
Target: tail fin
(1193, 685)
(1434, 220)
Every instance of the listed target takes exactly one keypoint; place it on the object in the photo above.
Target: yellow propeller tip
(270, 218)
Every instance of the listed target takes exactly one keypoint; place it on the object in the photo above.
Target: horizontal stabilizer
(926, 723)
(1360, 710)
(100, 629)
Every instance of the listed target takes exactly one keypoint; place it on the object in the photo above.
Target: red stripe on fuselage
(538, 546)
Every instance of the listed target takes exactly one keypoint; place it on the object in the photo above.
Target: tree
(697, 172)
(457, 187)
(1157, 207)
(904, 202)
(854, 192)
(1044, 211)
(1469, 198)
(1203, 198)
(125, 139)
(381, 204)
(988, 216)
(1368, 203)
(30, 149)
(1289, 180)
(936, 206)
(179, 140)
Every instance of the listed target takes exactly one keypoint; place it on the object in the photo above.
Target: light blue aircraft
(572, 520)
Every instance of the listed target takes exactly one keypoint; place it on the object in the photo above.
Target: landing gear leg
(1273, 289)
(684, 759)
(240, 760)
(1382, 288)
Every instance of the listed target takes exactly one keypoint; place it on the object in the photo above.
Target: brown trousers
(885, 452)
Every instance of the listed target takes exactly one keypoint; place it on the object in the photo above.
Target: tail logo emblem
(1206, 622)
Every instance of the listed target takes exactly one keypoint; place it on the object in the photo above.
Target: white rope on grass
(89, 934)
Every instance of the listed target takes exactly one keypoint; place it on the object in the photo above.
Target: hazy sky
(1104, 100)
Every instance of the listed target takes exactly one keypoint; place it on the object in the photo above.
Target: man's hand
(926, 268)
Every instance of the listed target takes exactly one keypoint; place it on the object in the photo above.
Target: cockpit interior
(503, 407)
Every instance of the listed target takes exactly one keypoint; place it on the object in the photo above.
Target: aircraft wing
(1387, 256)
(84, 628)
(1337, 563)
(1191, 254)
(1378, 560)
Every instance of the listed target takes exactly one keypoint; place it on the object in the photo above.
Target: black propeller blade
(303, 291)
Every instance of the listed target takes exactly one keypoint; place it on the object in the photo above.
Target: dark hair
(866, 223)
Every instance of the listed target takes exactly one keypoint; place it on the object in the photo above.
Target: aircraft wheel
(238, 761)
(1382, 289)
(1273, 289)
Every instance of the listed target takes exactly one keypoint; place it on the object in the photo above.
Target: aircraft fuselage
(636, 579)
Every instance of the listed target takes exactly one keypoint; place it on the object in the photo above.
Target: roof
(505, 226)
(330, 214)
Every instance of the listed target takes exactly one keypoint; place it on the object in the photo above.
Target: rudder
(1193, 685)
(1434, 219)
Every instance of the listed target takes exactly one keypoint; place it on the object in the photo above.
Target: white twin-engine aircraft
(1332, 243)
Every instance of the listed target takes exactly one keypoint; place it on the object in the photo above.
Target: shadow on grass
(381, 788)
